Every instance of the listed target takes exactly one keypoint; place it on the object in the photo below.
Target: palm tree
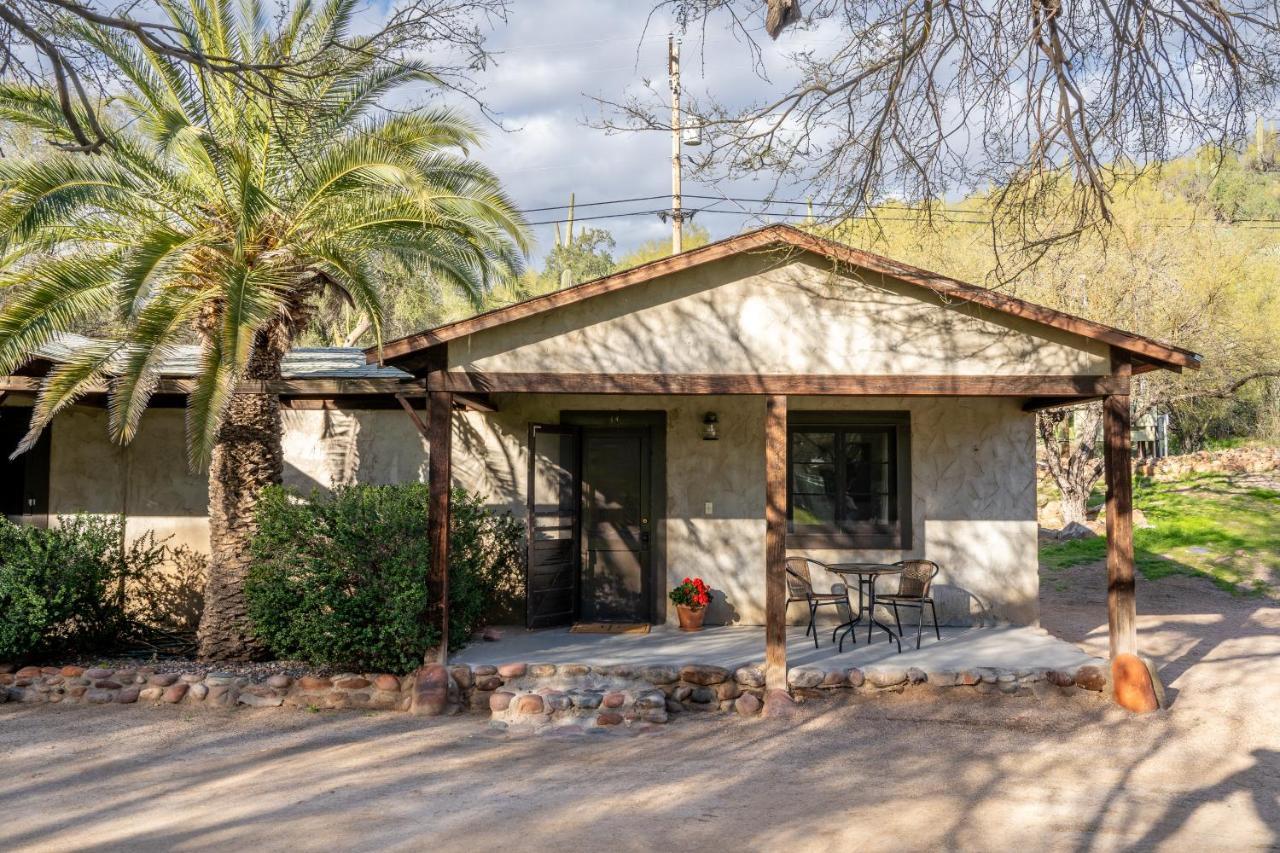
(222, 211)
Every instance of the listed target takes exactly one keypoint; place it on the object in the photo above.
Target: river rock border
(530, 695)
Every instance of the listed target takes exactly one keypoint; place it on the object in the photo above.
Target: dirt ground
(896, 774)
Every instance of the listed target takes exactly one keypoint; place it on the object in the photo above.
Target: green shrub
(64, 589)
(341, 579)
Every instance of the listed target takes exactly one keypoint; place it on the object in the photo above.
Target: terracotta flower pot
(690, 618)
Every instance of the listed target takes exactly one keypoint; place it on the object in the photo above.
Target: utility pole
(677, 217)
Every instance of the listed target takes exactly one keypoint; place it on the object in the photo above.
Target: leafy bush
(64, 588)
(341, 579)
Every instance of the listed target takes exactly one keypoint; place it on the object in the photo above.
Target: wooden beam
(1037, 404)
(1122, 611)
(775, 541)
(768, 384)
(475, 402)
(439, 486)
(285, 387)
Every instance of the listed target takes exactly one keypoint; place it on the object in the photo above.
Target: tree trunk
(1076, 470)
(247, 456)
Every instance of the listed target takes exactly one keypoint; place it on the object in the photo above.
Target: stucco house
(770, 394)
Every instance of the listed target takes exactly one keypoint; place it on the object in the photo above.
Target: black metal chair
(800, 588)
(913, 591)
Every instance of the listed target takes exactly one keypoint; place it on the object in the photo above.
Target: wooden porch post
(439, 486)
(1118, 467)
(775, 541)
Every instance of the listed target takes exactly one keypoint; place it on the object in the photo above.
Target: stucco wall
(973, 493)
(150, 483)
(757, 314)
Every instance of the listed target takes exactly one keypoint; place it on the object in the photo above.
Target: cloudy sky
(554, 58)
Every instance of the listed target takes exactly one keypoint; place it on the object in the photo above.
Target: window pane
(868, 485)
(813, 509)
(813, 447)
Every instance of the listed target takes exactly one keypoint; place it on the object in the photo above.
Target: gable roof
(1148, 350)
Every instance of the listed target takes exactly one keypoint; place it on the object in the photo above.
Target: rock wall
(525, 695)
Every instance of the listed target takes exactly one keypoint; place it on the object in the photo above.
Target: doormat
(609, 628)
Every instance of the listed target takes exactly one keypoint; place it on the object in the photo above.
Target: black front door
(617, 525)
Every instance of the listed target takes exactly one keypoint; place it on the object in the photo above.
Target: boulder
(1134, 688)
(803, 678)
(778, 704)
(175, 693)
(430, 690)
(747, 705)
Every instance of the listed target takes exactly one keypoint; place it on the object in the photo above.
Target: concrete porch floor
(734, 645)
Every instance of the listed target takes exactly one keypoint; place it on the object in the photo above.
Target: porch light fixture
(710, 428)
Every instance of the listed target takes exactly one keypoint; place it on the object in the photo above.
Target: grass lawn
(1225, 527)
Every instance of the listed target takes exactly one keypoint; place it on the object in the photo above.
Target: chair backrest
(799, 581)
(916, 577)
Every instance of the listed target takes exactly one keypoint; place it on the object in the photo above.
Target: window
(848, 480)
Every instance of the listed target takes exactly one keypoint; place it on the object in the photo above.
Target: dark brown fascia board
(785, 236)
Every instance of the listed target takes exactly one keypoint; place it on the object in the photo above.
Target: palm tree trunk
(248, 455)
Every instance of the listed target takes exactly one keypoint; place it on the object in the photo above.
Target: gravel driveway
(890, 774)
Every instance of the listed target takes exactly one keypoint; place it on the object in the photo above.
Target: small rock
(886, 677)
(804, 678)
(855, 677)
(484, 669)
(704, 695)
(833, 679)
(614, 700)
(499, 702)
(915, 675)
(98, 696)
(176, 692)
(488, 682)
(704, 675)
(557, 701)
(651, 699)
(198, 691)
(968, 678)
(608, 718)
(72, 671)
(778, 704)
(727, 690)
(682, 692)
(491, 635)
(258, 700)
(750, 676)
(151, 694)
(588, 699)
(542, 670)
(1091, 677)
(747, 705)
(1059, 678)
(107, 684)
(513, 670)
(353, 682)
(530, 703)
(193, 677)
(574, 670)
(163, 679)
(220, 679)
(659, 674)
(280, 681)
(391, 683)
(1075, 530)
(128, 695)
(314, 682)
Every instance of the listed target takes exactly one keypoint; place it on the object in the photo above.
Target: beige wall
(150, 483)
(973, 492)
(973, 483)
(750, 315)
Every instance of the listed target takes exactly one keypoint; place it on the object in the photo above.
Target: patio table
(867, 574)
